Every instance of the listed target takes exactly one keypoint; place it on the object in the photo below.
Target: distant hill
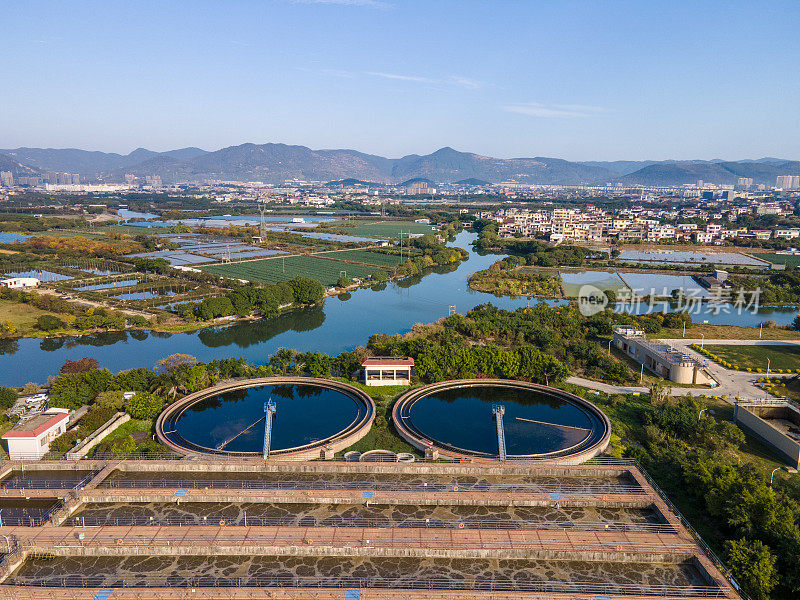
(90, 163)
(351, 182)
(276, 163)
(472, 181)
(19, 170)
(720, 173)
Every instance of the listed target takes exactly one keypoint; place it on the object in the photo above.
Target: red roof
(36, 426)
(388, 361)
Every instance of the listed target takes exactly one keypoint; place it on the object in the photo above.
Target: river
(336, 326)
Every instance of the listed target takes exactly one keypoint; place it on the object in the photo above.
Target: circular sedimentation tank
(539, 422)
(312, 417)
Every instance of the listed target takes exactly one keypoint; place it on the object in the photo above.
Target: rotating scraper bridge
(168, 434)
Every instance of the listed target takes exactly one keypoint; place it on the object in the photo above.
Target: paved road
(730, 383)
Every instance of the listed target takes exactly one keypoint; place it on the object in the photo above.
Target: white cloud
(465, 82)
(554, 111)
(401, 77)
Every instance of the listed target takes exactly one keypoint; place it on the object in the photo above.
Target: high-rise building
(418, 187)
(6, 178)
(153, 180)
(788, 182)
(745, 182)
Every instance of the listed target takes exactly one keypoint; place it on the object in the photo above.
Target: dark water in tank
(305, 414)
(462, 418)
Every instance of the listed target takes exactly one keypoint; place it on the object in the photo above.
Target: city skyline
(628, 81)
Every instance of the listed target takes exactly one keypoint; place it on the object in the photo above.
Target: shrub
(49, 323)
(111, 399)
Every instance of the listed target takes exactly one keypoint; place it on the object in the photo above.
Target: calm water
(690, 257)
(462, 418)
(305, 414)
(332, 328)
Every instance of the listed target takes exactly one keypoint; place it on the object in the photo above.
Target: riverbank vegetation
(503, 279)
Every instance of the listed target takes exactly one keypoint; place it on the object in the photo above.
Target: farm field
(275, 270)
(790, 260)
(381, 229)
(365, 256)
(780, 357)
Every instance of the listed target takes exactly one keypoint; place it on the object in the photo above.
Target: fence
(143, 542)
(21, 482)
(428, 523)
(433, 486)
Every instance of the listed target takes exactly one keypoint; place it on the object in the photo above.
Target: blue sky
(578, 80)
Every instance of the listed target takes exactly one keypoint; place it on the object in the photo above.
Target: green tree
(753, 566)
(144, 406)
(307, 291)
(8, 396)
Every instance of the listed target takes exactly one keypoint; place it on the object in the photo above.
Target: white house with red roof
(387, 370)
(31, 439)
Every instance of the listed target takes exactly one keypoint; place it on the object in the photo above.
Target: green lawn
(381, 229)
(23, 316)
(780, 357)
(275, 270)
(790, 260)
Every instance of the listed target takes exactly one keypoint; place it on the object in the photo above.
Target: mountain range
(277, 163)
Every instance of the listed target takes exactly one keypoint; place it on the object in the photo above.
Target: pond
(691, 257)
(107, 285)
(40, 275)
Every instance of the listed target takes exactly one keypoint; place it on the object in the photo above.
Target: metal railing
(428, 523)
(21, 482)
(142, 542)
(28, 520)
(427, 583)
(432, 486)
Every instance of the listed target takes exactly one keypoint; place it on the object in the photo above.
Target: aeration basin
(313, 419)
(537, 422)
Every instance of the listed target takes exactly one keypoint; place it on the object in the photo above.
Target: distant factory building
(387, 370)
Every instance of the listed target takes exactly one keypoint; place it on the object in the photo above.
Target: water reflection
(337, 326)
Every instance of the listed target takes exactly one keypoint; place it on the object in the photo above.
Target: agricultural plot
(382, 229)
(275, 270)
(365, 256)
(790, 260)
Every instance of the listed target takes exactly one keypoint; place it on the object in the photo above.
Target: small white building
(30, 440)
(387, 370)
(19, 282)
